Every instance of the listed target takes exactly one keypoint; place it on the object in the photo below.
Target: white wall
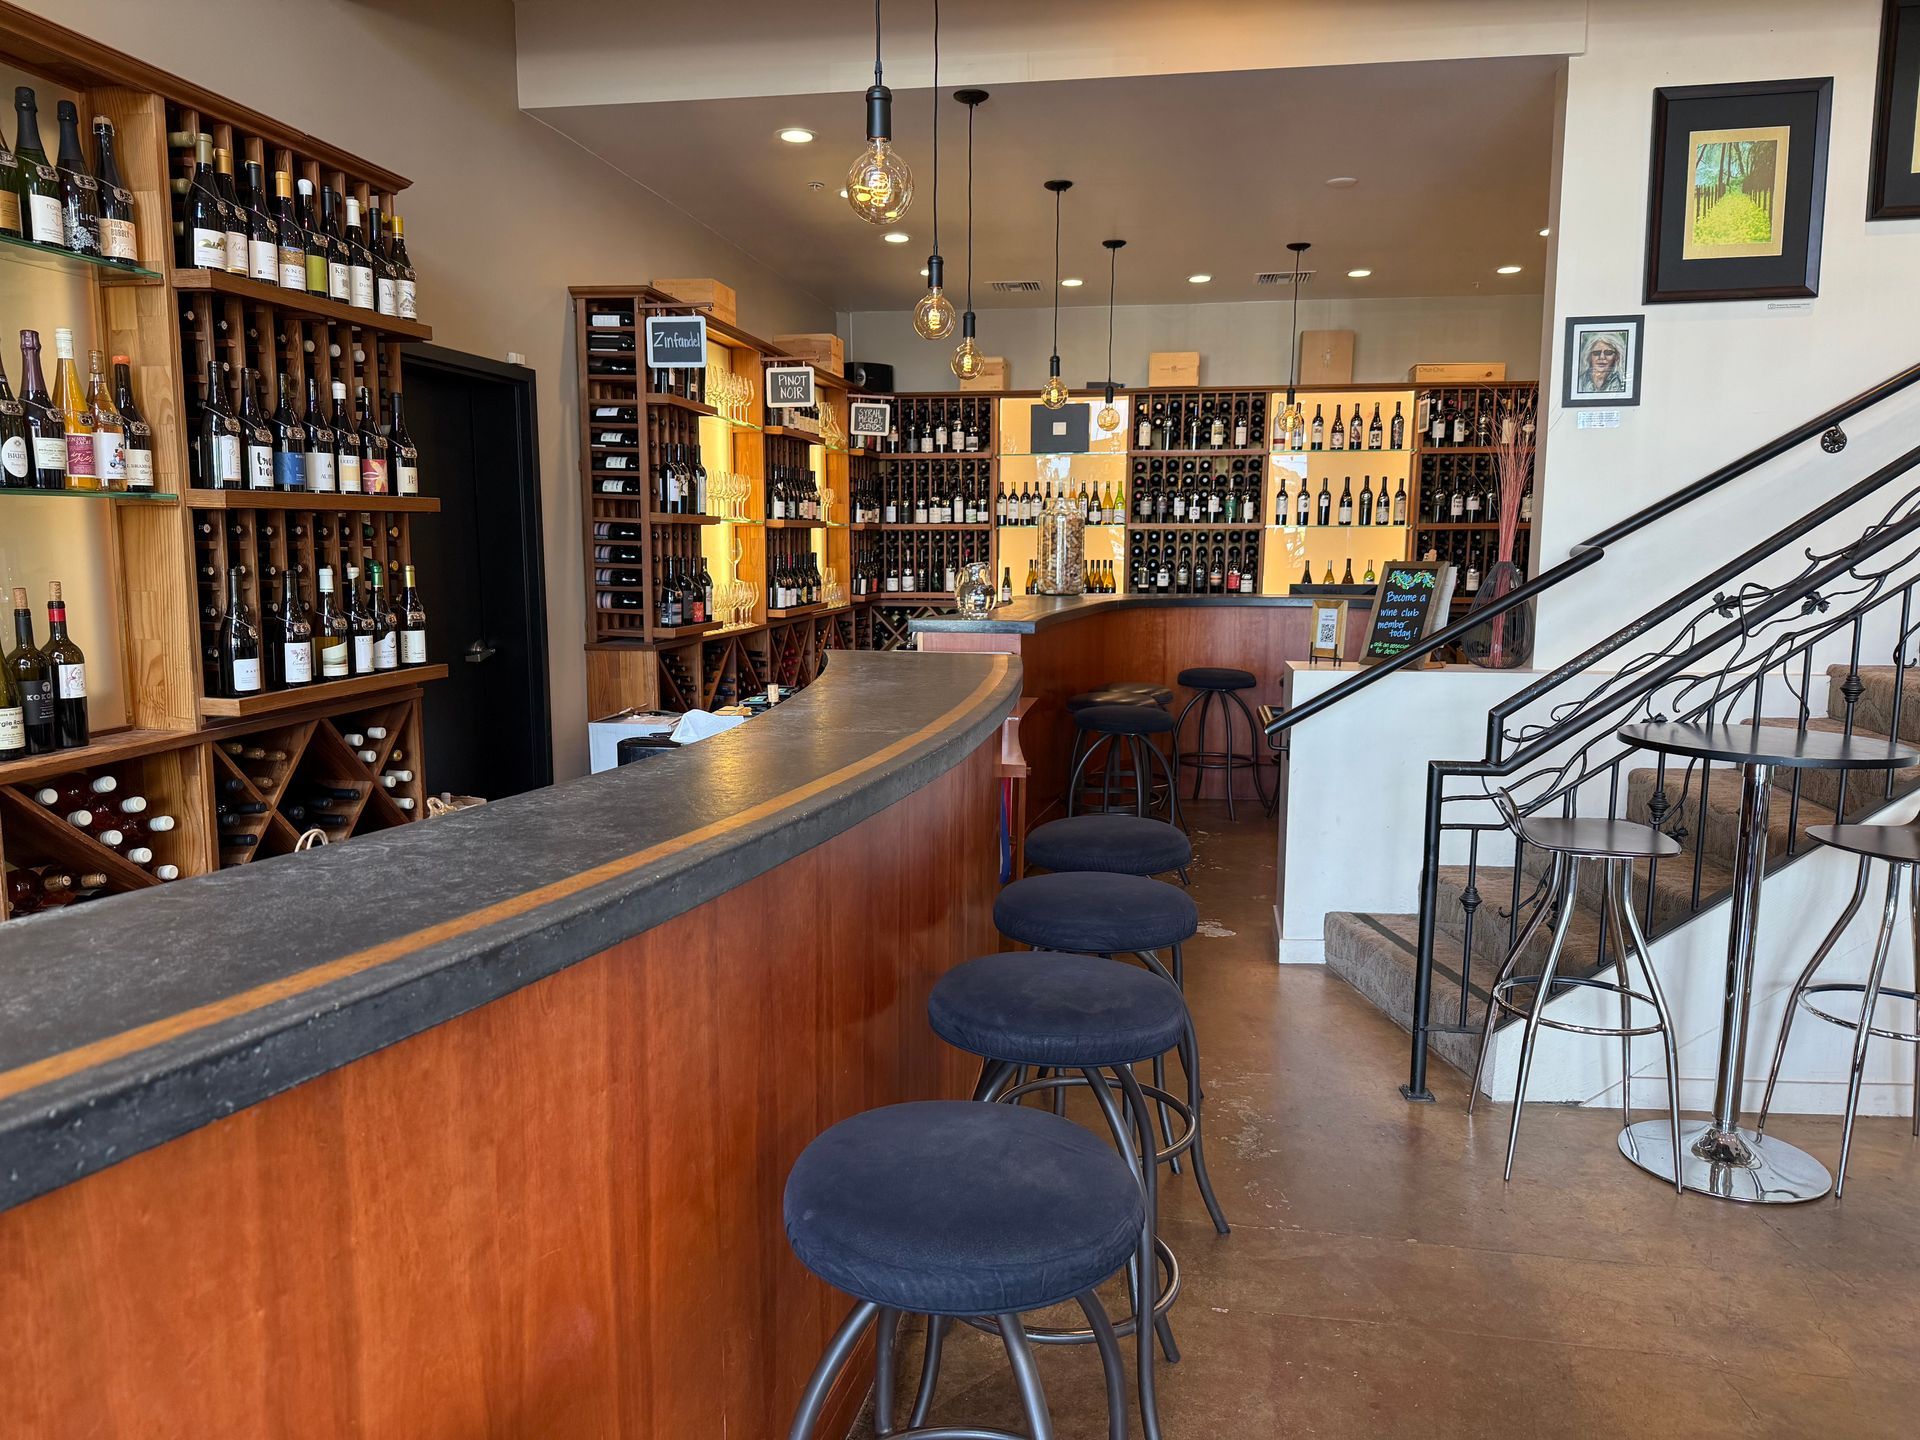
(1239, 344)
(503, 214)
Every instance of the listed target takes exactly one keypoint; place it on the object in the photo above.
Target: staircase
(1473, 921)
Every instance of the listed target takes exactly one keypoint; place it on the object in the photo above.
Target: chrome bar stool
(954, 1210)
(1899, 846)
(1133, 726)
(1220, 685)
(1614, 845)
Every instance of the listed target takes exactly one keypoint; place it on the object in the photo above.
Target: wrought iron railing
(1718, 645)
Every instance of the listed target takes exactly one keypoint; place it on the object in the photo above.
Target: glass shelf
(45, 257)
(135, 497)
(735, 424)
(1343, 454)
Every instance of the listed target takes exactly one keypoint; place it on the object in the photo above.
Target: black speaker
(870, 377)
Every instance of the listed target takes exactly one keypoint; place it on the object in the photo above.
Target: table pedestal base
(1731, 1164)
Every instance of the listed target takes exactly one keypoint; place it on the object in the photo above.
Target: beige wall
(503, 215)
(1239, 344)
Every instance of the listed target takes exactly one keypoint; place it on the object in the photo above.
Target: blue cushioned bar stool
(1123, 844)
(1107, 728)
(949, 1209)
(1125, 692)
(1087, 1022)
(1219, 685)
(1089, 913)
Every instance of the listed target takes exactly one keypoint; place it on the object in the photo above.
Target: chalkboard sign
(1409, 605)
(790, 386)
(676, 342)
(870, 418)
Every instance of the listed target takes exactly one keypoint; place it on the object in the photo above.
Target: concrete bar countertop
(1026, 614)
(132, 1020)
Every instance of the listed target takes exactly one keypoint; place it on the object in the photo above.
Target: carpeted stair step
(1720, 824)
(1376, 955)
(1874, 709)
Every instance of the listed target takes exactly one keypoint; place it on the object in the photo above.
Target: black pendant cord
(936, 223)
(936, 128)
(1113, 282)
(1056, 273)
(876, 42)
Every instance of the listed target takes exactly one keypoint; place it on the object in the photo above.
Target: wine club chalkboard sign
(1410, 603)
(676, 342)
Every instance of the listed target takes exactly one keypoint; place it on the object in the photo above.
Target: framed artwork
(1739, 187)
(1602, 365)
(1893, 187)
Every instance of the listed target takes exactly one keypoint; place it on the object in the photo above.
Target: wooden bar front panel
(557, 1215)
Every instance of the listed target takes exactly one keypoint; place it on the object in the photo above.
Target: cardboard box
(718, 298)
(823, 352)
(1458, 372)
(1326, 357)
(995, 374)
(1173, 367)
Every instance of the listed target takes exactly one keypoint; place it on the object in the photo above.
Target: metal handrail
(1594, 547)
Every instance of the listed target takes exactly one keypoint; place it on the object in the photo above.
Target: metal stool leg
(1136, 754)
(1554, 899)
(1865, 1032)
(1190, 1058)
(1610, 907)
(1172, 773)
(1111, 1365)
(1914, 923)
(1150, 1182)
(1079, 769)
(929, 1371)
(1623, 898)
(1026, 1377)
(1205, 699)
(1800, 987)
(1541, 990)
(814, 1399)
(1253, 732)
(886, 1335)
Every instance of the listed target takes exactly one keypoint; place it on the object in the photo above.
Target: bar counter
(479, 1126)
(1069, 644)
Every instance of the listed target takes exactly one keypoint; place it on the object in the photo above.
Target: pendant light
(966, 358)
(1109, 417)
(1294, 418)
(1055, 393)
(933, 316)
(879, 183)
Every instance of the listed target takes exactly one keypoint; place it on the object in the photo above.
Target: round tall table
(1717, 1156)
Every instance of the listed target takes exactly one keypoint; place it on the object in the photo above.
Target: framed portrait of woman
(1893, 186)
(1602, 366)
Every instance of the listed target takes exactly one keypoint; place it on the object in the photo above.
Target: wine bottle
(402, 271)
(263, 230)
(346, 434)
(218, 442)
(331, 640)
(289, 640)
(44, 424)
(203, 232)
(313, 244)
(16, 443)
(400, 448)
(239, 642)
(256, 436)
(386, 650)
(137, 434)
(9, 190)
(373, 448)
(32, 675)
(233, 216)
(320, 442)
(79, 191)
(118, 239)
(290, 254)
(359, 261)
(359, 624)
(386, 298)
(109, 428)
(39, 182)
(76, 421)
(337, 284)
(69, 667)
(13, 717)
(289, 443)
(413, 621)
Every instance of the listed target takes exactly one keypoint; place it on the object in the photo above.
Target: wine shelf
(326, 691)
(164, 498)
(15, 250)
(326, 501)
(296, 302)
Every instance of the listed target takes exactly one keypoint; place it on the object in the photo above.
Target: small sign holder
(676, 342)
(1328, 637)
(872, 419)
(1410, 604)
(790, 387)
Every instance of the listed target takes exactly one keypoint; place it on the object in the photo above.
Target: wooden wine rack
(167, 553)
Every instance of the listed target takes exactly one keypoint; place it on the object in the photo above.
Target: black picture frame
(1893, 184)
(1801, 110)
(1570, 369)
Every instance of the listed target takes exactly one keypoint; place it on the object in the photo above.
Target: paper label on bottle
(246, 677)
(14, 455)
(236, 251)
(349, 474)
(360, 286)
(209, 249)
(290, 470)
(383, 290)
(9, 209)
(316, 268)
(226, 461)
(386, 655)
(337, 280)
(110, 455)
(406, 479)
(139, 468)
(373, 475)
(71, 681)
(413, 647)
(80, 456)
(292, 268)
(333, 658)
(363, 654)
(263, 260)
(50, 225)
(13, 729)
(320, 470)
(298, 655)
(259, 467)
(117, 239)
(407, 302)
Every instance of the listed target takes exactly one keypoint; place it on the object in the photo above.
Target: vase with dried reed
(1505, 642)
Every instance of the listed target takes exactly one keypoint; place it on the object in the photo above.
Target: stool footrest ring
(1497, 996)
(1855, 987)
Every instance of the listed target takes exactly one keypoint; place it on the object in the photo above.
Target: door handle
(479, 652)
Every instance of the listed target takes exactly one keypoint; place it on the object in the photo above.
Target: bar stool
(1220, 684)
(949, 1209)
(1088, 1022)
(1899, 846)
(1616, 844)
(1122, 844)
(1088, 913)
(1125, 692)
(1133, 725)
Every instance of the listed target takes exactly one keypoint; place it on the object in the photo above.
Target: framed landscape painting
(1739, 187)
(1893, 187)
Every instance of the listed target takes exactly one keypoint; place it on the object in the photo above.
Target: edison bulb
(933, 316)
(1293, 419)
(1108, 419)
(1055, 395)
(966, 359)
(879, 184)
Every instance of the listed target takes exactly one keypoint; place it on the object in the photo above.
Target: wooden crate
(718, 298)
(823, 352)
(1458, 372)
(995, 374)
(1326, 357)
(1173, 367)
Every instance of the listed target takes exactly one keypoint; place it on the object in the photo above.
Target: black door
(482, 576)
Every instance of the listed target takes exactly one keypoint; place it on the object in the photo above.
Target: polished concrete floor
(1382, 1281)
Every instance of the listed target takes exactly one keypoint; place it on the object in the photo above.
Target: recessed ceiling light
(1343, 182)
(794, 135)
(1508, 270)
(1358, 274)
(1073, 282)
(1544, 232)
(1198, 279)
(896, 237)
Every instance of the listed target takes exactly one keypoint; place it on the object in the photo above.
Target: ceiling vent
(1281, 277)
(1010, 287)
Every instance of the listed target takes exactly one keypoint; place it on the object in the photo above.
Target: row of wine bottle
(123, 823)
(69, 206)
(360, 635)
(43, 693)
(346, 451)
(74, 437)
